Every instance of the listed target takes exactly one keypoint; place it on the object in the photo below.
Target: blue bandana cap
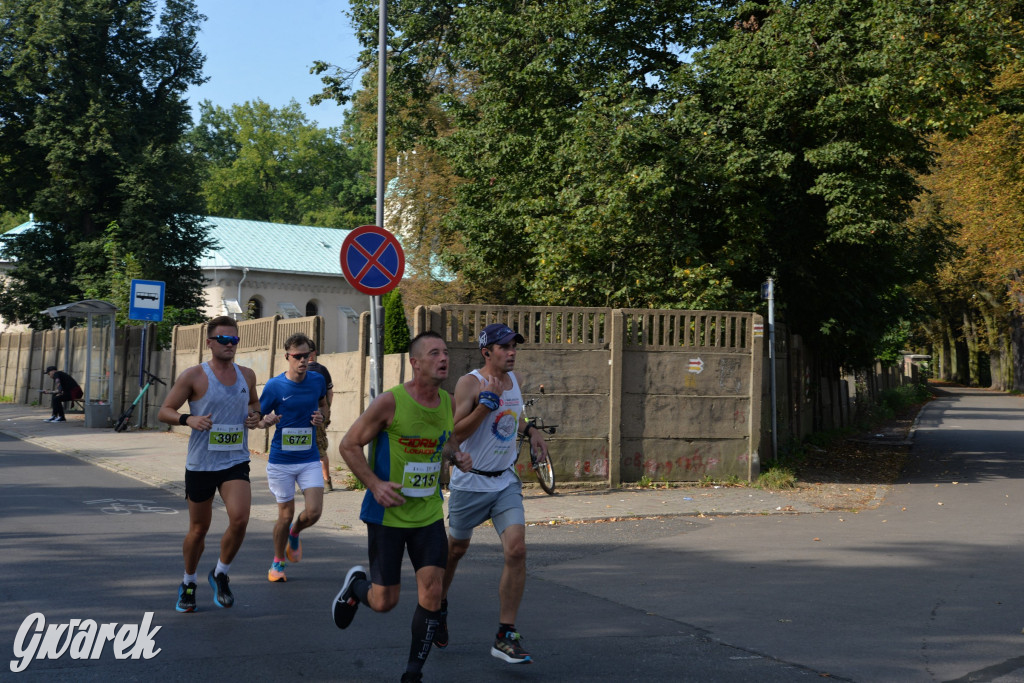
(498, 333)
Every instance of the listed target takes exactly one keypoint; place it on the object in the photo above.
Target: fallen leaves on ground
(846, 474)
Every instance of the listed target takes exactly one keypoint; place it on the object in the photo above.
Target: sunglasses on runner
(225, 339)
(298, 356)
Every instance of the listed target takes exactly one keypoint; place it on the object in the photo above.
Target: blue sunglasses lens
(225, 339)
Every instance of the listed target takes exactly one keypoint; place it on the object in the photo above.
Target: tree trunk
(971, 342)
(1017, 351)
(996, 317)
(999, 350)
(948, 370)
(957, 355)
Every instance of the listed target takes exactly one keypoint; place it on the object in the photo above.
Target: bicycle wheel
(545, 474)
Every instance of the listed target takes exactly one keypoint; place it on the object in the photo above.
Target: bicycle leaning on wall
(544, 471)
(122, 422)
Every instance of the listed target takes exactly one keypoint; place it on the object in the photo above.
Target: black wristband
(527, 428)
(183, 419)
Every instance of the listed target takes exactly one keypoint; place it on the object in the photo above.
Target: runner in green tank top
(411, 426)
(408, 453)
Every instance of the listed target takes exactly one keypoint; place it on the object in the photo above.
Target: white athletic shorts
(282, 478)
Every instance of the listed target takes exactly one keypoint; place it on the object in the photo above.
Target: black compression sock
(361, 588)
(424, 624)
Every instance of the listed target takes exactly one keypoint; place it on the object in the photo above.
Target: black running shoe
(186, 598)
(222, 596)
(441, 632)
(344, 607)
(507, 647)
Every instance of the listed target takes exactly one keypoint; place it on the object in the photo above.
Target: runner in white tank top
(493, 443)
(488, 416)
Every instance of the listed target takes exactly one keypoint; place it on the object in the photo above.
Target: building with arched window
(260, 269)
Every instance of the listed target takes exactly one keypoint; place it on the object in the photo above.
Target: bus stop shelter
(98, 384)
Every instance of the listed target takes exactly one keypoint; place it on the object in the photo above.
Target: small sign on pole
(147, 301)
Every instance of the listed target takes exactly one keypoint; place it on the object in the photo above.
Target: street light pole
(376, 310)
(771, 369)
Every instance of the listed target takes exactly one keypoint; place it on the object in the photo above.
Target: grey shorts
(469, 509)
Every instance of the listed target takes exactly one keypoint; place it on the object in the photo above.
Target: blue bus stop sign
(147, 301)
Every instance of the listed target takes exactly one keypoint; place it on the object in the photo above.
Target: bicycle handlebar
(153, 378)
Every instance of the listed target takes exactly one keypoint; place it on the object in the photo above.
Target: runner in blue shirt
(295, 401)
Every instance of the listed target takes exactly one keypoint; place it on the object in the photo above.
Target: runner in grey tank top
(222, 397)
(227, 443)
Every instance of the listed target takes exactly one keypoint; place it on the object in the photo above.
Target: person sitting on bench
(65, 388)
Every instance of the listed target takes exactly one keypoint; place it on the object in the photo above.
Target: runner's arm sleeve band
(183, 418)
(489, 399)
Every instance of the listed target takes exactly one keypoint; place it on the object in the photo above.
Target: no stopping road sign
(372, 260)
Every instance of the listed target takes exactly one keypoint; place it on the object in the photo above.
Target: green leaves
(628, 153)
(91, 114)
(396, 327)
(269, 164)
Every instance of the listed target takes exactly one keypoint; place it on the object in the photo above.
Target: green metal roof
(259, 245)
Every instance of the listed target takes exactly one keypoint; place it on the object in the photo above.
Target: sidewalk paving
(158, 458)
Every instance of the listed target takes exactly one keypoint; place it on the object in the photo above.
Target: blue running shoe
(276, 573)
(186, 598)
(222, 596)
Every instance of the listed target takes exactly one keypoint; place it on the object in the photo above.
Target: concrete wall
(689, 406)
(24, 356)
(669, 395)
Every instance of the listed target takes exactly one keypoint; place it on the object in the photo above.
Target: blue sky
(262, 49)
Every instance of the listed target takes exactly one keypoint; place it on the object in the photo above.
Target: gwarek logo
(81, 639)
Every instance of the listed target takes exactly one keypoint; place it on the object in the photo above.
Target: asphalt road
(72, 552)
(923, 588)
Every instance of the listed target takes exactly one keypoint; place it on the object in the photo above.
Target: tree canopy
(92, 111)
(262, 163)
(976, 298)
(674, 154)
